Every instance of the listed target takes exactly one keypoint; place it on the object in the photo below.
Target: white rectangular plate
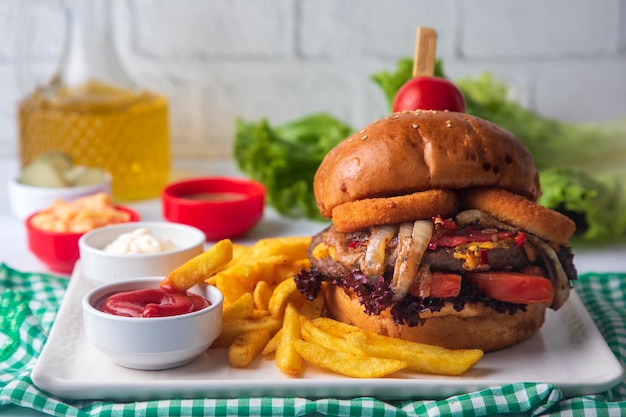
(568, 352)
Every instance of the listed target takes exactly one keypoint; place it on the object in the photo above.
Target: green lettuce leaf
(596, 205)
(284, 158)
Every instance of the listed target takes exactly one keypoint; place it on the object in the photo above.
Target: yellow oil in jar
(123, 132)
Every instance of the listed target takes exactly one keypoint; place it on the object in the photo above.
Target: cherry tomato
(429, 93)
(512, 287)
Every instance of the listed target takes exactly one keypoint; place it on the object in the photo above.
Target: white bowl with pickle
(53, 176)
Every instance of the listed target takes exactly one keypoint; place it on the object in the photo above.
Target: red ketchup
(153, 302)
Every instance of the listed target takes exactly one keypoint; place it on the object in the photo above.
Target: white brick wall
(217, 60)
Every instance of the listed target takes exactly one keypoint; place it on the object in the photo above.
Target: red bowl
(222, 207)
(58, 250)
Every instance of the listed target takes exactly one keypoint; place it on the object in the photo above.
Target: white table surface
(14, 251)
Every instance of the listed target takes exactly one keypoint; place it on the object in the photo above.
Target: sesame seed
(350, 140)
(415, 126)
(449, 123)
(364, 137)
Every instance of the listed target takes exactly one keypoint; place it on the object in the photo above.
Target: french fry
(252, 271)
(239, 252)
(242, 308)
(345, 363)
(292, 247)
(313, 334)
(231, 329)
(287, 358)
(260, 313)
(272, 269)
(199, 268)
(231, 288)
(334, 327)
(283, 293)
(289, 270)
(246, 347)
(419, 356)
(261, 294)
(270, 347)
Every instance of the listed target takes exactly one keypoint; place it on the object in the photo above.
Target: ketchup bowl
(151, 343)
(222, 207)
(140, 249)
(59, 250)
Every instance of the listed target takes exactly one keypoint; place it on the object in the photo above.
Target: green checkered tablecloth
(29, 303)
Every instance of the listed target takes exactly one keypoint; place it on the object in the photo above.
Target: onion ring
(355, 215)
(520, 212)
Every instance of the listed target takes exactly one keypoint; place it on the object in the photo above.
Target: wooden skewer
(425, 52)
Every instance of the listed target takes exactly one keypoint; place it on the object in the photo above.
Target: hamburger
(435, 234)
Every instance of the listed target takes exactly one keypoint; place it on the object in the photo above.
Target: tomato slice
(512, 287)
(442, 285)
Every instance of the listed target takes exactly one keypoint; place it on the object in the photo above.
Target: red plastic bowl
(222, 207)
(59, 251)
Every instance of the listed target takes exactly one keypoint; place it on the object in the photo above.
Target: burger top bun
(420, 150)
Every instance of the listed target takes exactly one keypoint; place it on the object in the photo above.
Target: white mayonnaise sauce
(139, 241)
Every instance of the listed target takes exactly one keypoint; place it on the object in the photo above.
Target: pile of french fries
(264, 314)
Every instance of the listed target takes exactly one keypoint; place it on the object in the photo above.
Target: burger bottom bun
(483, 328)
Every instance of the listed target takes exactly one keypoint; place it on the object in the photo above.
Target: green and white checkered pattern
(29, 303)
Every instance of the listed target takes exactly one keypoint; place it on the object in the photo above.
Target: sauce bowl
(100, 266)
(222, 207)
(25, 199)
(59, 250)
(151, 343)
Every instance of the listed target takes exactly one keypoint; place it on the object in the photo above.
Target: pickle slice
(87, 176)
(58, 159)
(40, 173)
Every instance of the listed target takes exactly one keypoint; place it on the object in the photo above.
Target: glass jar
(92, 110)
